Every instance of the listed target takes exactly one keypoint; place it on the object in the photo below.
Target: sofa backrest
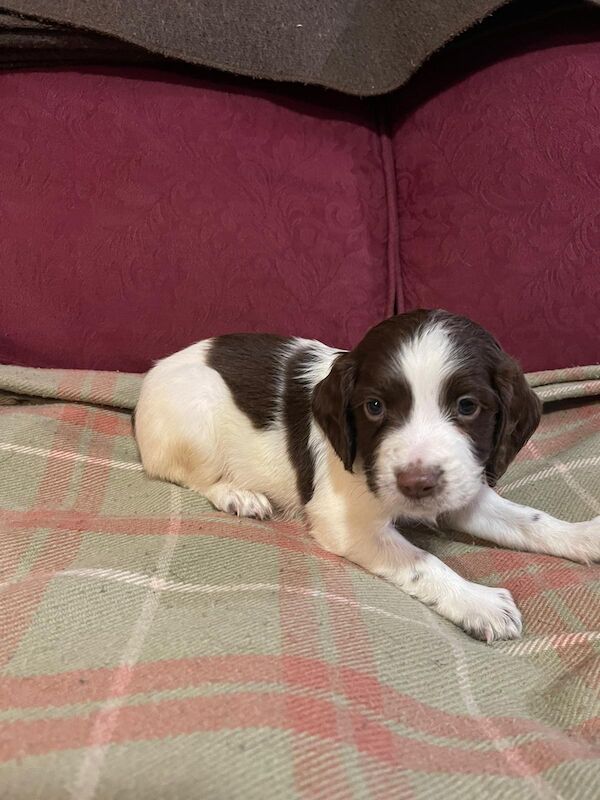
(141, 211)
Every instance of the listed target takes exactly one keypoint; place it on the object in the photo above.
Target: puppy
(416, 423)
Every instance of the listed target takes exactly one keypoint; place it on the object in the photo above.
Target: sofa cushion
(497, 164)
(140, 212)
(152, 647)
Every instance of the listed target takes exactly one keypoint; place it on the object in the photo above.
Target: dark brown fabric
(363, 48)
(28, 43)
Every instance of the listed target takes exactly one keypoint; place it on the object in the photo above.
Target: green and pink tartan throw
(153, 648)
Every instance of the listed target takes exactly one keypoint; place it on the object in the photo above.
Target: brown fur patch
(251, 366)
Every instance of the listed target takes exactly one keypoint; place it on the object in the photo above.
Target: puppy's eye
(468, 407)
(374, 408)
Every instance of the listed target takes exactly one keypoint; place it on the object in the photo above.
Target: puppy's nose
(417, 481)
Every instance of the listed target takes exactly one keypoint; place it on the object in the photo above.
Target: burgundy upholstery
(498, 178)
(139, 213)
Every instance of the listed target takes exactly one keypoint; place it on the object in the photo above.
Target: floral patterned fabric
(140, 212)
(498, 198)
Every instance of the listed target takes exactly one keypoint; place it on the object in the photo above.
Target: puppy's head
(428, 406)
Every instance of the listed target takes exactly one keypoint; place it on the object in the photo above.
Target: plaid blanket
(153, 648)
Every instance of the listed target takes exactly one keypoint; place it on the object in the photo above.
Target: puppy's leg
(483, 612)
(492, 517)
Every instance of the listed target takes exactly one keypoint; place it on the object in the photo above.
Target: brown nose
(416, 481)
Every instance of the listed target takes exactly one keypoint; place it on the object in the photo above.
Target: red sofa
(143, 210)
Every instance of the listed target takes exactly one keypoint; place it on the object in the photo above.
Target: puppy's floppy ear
(331, 408)
(519, 414)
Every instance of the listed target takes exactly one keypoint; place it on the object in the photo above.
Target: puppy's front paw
(248, 504)
(240, 502)
(490, 614)
(584, 543)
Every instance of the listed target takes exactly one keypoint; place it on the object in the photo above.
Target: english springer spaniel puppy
(416, 423)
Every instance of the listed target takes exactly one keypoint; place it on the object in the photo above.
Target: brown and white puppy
(416, 423)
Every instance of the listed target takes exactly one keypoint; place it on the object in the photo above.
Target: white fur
(511, 525)
(190, 431)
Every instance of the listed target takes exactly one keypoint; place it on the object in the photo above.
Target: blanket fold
(120, 389)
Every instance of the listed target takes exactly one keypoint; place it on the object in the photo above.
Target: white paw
(240, 502)
(487, 614)
(584, 543)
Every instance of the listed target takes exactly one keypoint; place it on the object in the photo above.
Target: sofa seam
(395, 298)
